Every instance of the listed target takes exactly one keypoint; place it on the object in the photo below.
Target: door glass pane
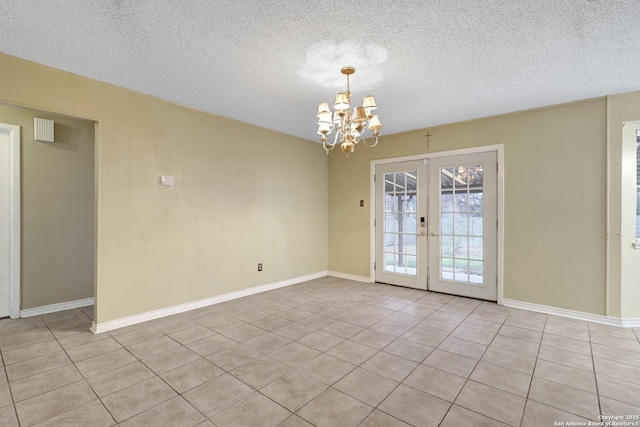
(400, 223)
(461, 238)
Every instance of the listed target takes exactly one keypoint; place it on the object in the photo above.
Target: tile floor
(328, 352)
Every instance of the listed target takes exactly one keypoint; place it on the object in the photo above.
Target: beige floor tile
(91, 414)
(616, 354)
(196, 333)
(53, 403)
(221, 323)
(502, 378)
(567, 322)
(450, 362)
(175, 412)
(366, 386)
(169, 360)
(515, 346)
(294, 354)
(352, 352)
(294, 314)
(210, 345)
(564, 357)
(536, 415)
(343, 329)
(243, 333)
(317, 321)
(567, 344)
(562, 374)
(409, 350)
(563, 397)
(137, 398)
(520, 334)
(260, 372)
(41, 383)
(457, 309)
(615, 407)
(153, 346)
(620, 390)
(191, 375)
(172, 324)
(294, 421)
(523, 323)
(392, 328)
(424, 337)
(435, 382)
(294, 330)
(409, 317)
(36, 365)
(375, 339)
(388, 365)
(380, 419)
(473, 335)
(561, 331)
(217, 394)
(119, 378)
(8, 417)
(105, 362)
(293, 390)
(363, 320)
(233, 356)
(32, 351)
(459, 416)
(5, 395)
(481, 325)
(345, 411)
(530, 315)
(272, 322)
(491, 402)
(138, 336)
(414, 407)
(509, 360)
(97, 348)
(252, 411)
(326, 369)
(611, 331)
(267, 342)
(629, 343)
(443, 316)
(463, 347)
(320, 340)
(127, 329)
(488, 316)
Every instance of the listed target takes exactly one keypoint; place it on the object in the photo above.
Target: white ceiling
(270, 62)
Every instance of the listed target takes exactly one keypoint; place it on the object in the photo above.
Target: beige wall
(624, 261)
(57, 209)
(554, 199)
(242, 195)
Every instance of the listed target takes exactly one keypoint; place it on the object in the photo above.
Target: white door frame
(14, 218)
(499, 149)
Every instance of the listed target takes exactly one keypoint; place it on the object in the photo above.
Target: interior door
(463, 225)
(401, 211)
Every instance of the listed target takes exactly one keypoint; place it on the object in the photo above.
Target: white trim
(348, 276)
(499, 149)
(596, 318)
(97, 328)
(14, 218)
(54, 308)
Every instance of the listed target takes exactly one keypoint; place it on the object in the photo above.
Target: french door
(436, 224)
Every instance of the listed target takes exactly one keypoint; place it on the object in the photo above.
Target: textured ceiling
(270, 62)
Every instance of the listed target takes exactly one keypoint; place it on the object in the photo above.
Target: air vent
(43, 130)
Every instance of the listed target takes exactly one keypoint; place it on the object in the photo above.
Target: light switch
(166, 180)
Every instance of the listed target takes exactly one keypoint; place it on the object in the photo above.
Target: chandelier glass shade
(349, 126)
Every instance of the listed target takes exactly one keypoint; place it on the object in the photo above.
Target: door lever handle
(434, 234)
(423, 233)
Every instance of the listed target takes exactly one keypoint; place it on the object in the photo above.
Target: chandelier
(350, 126)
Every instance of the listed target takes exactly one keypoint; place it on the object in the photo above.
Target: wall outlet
(260, 267)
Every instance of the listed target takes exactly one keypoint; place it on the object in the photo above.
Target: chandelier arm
(370, 145)
(328, 146)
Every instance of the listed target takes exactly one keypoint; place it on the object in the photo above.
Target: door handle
(434, 234)
(422, 233)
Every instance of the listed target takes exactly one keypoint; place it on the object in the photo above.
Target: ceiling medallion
(350, 126)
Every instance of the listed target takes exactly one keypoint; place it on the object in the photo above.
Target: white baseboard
(97, 328)
(53, 308)
(348, 276)
(607, 320)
